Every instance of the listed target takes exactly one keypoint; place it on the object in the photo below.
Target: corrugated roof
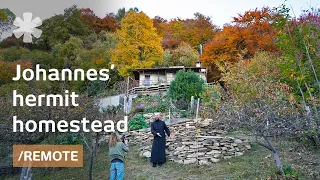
(168, 68)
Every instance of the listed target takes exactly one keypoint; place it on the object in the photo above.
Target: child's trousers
(116, 171)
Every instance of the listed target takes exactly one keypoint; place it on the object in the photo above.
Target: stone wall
(195, 142)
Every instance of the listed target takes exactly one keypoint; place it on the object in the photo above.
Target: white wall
(156, 78)
(110, 101)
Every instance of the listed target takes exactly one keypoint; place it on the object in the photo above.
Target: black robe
(158, 153)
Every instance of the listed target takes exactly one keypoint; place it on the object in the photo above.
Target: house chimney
(198, 64)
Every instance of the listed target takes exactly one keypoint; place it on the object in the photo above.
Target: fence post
(192, 104)
(169, 114)
(197, 112)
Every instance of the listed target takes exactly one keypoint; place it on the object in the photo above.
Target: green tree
(68, 54)
(185, 85)
(120, 14)
(13, 53)
(59, 28)
(45, 59)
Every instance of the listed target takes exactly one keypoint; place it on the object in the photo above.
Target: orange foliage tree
(8, 70)
(108, 23)
(194, 31)
(248, 33)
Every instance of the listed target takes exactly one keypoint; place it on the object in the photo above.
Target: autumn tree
(248, 33)
(8, 70)
(160, 24)
(88, 17)
(183, 55)
(11, 42)
(174, 33)
(108, 23)
(138, 46)
(194, 31)
(200, 30)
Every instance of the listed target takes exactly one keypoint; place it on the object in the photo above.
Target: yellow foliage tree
(138, 46)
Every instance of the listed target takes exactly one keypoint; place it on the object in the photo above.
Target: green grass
(255, 164)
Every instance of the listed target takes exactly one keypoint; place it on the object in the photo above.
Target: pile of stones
(194, 142)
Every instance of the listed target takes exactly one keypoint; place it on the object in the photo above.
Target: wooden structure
(158, 79)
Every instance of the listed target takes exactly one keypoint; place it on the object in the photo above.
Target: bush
(211, 99)
(150, 104)
(138, 122)
(182, 104)
(185, 85)
(160, 106)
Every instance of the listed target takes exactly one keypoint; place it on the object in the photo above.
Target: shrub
(138, 108)
(185, 85)
(150, 104)
(182, 104)
(289, 171)
(211, 99)
(160, 106)
(138, 123)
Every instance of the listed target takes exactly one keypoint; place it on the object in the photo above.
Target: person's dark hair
(114, 138)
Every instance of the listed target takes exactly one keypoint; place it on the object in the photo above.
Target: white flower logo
(27, 28)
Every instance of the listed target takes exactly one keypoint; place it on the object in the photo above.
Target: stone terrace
(194, 142)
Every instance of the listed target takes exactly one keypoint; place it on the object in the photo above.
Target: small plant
(159, 106)
(138, 122)
(289, 171)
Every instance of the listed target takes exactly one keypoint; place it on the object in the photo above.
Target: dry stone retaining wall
(194, 142)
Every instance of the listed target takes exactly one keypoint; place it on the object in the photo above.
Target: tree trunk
(275, 153)
(276, 157)
(26, 173)
(91, 165)
(96, 145)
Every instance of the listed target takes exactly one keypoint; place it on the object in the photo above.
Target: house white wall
(202, 75)
(155, 78)
(170, 77)
(162, 78)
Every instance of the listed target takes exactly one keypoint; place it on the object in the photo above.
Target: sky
(220, 11)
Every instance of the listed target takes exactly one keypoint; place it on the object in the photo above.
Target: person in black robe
(158, 152)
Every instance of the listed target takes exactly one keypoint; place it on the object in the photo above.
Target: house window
(147, 80)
